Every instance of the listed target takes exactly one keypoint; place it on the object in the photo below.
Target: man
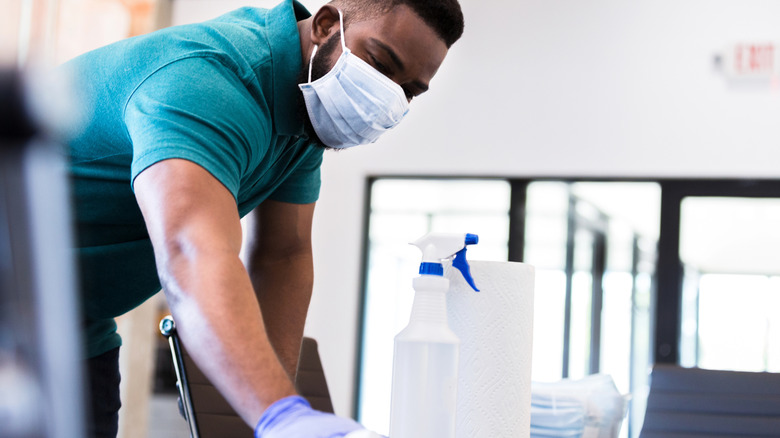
(194, 127)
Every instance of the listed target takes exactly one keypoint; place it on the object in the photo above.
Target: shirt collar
(286, 55)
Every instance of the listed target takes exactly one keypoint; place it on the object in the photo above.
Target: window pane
(617, 306)
(616, 317)
(581, 303)
(549, 301)
(773, 333)
(545, 249)
(730, 235)
(734, 322)
(729, 249)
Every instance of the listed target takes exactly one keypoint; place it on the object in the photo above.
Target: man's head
(443, 16)
(404, 40)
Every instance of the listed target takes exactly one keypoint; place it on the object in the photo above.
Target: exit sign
(752, 60)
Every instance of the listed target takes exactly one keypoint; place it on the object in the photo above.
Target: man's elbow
(261, 256)
(171, 252)
(181, 259)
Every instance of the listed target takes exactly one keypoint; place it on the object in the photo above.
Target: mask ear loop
(343, 42)
(311, 60)
(341, 31)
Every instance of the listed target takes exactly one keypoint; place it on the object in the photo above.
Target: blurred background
(627, 150)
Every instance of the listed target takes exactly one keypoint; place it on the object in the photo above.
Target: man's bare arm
(280, 265)
(195, 229)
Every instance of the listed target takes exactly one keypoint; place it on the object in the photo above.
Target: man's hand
(294, 417)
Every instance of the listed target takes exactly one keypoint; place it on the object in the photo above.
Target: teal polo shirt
(222, 94)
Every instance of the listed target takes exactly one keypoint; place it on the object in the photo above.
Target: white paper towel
(495, 327)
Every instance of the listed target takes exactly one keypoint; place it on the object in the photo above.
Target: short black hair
(443, 16)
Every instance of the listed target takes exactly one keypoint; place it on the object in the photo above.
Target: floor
(164, 418)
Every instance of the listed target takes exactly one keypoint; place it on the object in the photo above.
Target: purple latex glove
(293, 417)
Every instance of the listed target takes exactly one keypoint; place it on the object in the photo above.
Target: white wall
(552, 88)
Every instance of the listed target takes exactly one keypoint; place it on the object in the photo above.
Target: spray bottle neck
(430, 302)
(428, 268)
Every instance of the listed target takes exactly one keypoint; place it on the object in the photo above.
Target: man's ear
(324, 24)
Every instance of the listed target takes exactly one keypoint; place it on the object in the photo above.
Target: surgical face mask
(353, 103)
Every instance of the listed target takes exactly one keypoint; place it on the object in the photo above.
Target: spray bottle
(425, 364)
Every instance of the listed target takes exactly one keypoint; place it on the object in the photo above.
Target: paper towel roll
(495, 327)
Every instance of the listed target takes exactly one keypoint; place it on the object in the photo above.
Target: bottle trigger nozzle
(462, 265)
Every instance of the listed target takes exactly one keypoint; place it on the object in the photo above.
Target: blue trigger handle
(462, 265)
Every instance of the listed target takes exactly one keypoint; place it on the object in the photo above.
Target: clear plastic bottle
(425, 365)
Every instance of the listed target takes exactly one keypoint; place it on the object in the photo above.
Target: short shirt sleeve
(302, 186)
(198, 110)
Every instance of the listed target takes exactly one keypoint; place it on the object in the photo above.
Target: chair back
(697, 403)
(207, 412)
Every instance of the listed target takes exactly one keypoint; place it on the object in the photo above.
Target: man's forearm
(284, 287)
(219, 321)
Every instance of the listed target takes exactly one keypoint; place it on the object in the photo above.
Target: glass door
(593, 245)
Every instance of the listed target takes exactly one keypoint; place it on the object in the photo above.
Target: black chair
(698, 403)
(208, 414)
